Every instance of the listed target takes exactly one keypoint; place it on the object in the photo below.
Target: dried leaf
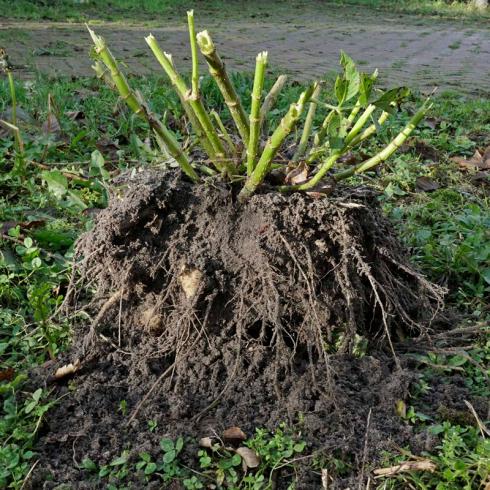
(250, 459)
(479, 161)
(234, 434)
(425, 184)
(190, 279)
(108, 148)
(51, 125)
(297, 175)
(421, 465)
(7, 374)
(75, 115)
(206, 442)
(325, 479)
(66, 370)
(401, 408)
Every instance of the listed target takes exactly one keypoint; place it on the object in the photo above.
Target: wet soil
(207, 314)
(302, 38)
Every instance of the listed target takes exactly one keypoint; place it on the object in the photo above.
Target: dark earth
(208, 314)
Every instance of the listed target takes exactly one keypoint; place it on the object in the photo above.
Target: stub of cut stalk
(253, 144)
(273, 144)
(218, 72)
(139, 107)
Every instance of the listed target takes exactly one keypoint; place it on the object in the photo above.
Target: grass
(131, 11)
(43, 210)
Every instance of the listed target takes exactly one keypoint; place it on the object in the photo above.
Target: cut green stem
(273, 144)
(213, 144)
(253, 144)
(305, 136)
(218, 72)
(195, 59)
(389, 149)
(224, 133)
(138, 106)
(270, 100)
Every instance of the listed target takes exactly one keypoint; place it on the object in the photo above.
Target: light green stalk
(13, 97)
(218, 72)
(226, 136)
(270, 99)
(253, 144)
(138, 106)
(305, 136)
(370, 130)
(322, 132)
(359, 124)
(195, 60)
(217, 154)
(389, 149)
(353, 113)
(273, 143)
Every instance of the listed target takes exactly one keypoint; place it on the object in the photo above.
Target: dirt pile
(207, 314)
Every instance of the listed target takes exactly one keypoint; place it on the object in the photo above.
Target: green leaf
(341, 88)
(167, 445)
(391, 99)
(169, 456)
(97, 165)
(36, 396)
(89, 465)
(351, 75)
(119, 461)
(57, 182)
(179, 444)
(236, 460)
(366, 84)
(28, 242)
(150, 468)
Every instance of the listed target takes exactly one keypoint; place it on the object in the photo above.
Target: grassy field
(127, 11)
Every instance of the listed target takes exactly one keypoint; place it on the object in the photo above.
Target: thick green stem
(137, 105)
(253, 144)
(389, 149)
(270, 99)
(353, 113)
(363, 118)
(218, 72)
(370, 130)
(322, 132)
(305, 136)
(195, 60)
(218, 151)
(273, 143)
(224, 133)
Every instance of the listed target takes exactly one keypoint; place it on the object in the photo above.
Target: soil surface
(302, 39)
(208, 315)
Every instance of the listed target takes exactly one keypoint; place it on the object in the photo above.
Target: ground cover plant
(157, 454)
(126, 10)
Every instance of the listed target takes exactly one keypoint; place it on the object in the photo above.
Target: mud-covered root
(290, 273)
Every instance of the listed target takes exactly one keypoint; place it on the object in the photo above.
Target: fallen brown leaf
(234, 434)
(297, 175)
(66, 370)
(7, 374)
(250, 459)
(479, 161)
(421, 465)
(426, 184)
(206, 442)
(190, 279)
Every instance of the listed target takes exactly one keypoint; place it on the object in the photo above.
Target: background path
(416, 51)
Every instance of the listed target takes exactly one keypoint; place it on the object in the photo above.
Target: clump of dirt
(208, 314)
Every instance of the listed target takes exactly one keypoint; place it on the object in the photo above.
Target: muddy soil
(207, 314)
(302, 38)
